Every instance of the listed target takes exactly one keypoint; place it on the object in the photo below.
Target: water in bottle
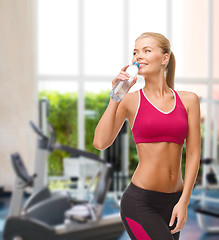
(121, 87)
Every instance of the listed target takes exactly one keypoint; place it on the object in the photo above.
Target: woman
(154, 205)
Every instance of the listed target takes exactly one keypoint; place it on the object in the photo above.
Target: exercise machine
(58, 217)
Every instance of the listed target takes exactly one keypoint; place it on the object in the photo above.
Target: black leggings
(146, 214)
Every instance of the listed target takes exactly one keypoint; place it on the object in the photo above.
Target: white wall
(18, 86)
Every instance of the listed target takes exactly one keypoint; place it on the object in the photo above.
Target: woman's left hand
(179, 212)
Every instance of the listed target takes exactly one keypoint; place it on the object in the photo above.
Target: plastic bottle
(121, 87)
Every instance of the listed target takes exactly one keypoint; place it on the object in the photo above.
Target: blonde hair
(164, 44)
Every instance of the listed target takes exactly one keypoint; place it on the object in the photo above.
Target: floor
(191, 231)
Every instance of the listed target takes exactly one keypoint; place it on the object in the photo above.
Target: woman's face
(150, 57)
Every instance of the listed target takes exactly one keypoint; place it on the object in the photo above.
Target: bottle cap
(136, 63)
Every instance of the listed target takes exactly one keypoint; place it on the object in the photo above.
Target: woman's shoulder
(189, 98)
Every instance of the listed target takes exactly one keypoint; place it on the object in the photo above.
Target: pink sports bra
(153, 125)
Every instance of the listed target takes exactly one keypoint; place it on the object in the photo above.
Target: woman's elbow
(101, 142)
(98, 145)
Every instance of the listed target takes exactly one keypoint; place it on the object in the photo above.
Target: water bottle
(121, 87)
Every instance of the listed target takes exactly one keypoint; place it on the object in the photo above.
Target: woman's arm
(193, 152)
(193, 148)
(110, 124)
(113, 118)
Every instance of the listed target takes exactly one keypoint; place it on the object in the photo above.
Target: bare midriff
(159, 167)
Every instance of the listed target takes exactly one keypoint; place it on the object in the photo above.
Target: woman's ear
(166, 59)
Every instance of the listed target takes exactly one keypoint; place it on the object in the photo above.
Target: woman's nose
(139, 56)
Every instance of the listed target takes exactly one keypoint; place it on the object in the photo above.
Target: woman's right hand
(123, 76)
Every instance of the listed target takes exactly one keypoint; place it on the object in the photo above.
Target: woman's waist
(162, 180)
(159, 167)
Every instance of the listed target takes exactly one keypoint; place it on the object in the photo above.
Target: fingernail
(170, 224)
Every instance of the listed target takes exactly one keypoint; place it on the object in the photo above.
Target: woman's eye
(147, 51)
(134, 53)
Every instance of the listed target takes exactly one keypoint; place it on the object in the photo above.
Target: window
(57, 45)
(83, 44)
(103, 37)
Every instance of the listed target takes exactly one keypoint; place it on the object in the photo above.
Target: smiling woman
(161, 119)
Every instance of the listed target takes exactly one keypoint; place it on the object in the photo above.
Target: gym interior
(58, 59)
